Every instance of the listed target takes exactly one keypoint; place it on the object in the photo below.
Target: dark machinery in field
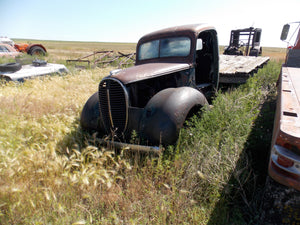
(244, 42)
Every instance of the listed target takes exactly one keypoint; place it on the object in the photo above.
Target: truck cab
(175, 74)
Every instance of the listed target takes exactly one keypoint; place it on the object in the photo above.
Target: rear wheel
(36, 50)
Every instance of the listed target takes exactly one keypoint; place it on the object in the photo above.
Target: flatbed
(237, 69)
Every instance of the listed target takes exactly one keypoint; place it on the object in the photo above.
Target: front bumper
(157, 150)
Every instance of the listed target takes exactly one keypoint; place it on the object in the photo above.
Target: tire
(253, 52)
(10, 67)
(36, 50)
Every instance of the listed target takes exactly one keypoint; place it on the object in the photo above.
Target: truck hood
(147, 71)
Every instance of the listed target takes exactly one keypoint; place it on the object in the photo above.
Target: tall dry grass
(53, 173)
(36, 118)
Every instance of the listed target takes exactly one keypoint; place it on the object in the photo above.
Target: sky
(128, 20)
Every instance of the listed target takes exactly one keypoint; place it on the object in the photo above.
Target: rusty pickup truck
(176, 73)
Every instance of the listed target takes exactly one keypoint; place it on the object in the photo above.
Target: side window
(199, 44)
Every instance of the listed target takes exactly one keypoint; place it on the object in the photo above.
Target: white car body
(7, 50)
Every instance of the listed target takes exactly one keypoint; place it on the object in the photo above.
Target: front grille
(113, 105)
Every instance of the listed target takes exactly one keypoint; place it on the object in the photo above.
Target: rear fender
(166, 113)
(29, 47)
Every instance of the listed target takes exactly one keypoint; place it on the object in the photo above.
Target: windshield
(167, 47)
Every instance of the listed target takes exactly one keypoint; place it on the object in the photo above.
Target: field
(51, 172)
(63, 50)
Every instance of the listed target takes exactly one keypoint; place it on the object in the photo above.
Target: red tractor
(31, 49)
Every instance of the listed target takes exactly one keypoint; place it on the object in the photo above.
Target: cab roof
(178, 30)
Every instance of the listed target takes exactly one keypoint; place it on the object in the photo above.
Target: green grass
(226, 145)
(52, 172)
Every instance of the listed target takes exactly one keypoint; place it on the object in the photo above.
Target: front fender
(166, 112)
(90, 118)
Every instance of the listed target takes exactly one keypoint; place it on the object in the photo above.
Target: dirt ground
(281, 205)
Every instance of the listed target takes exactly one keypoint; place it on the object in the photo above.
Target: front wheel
(165, 114)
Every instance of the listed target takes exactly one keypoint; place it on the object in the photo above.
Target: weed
(220, 169)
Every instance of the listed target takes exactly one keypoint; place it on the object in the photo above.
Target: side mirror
(284, 32)
(199, 45)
